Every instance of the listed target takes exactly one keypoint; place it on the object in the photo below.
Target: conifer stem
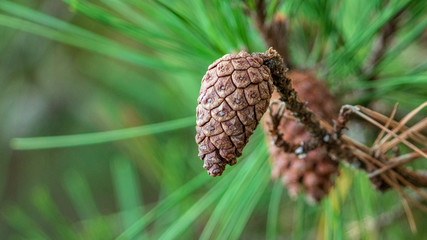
(337, 148)
(289, 96)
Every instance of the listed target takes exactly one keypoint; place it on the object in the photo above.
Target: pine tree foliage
(116, 81)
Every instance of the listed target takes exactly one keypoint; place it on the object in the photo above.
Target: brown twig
(384, 173)
(289, 96)
(319, 135)
(273, 32)
(386, 37)
(341, 123)
(277, 136)
(274, 131)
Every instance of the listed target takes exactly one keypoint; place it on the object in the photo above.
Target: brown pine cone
(235, 93)
(313, 172)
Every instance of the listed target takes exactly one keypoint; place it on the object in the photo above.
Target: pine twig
(273, 32)
(342, 148)
(277, 136)
(289, 96)
(386, 37)
(319, 134)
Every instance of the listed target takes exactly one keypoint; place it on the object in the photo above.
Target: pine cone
(235, 93)
(312, 173)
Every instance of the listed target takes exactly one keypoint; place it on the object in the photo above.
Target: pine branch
(274, 32)
(341, 148)
(386, 37)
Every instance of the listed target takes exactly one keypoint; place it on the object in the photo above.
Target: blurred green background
(119, 79)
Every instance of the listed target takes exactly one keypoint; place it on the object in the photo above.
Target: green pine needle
(99, 137)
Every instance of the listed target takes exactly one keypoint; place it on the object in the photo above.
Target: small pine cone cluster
(234, 95)
(313, 172)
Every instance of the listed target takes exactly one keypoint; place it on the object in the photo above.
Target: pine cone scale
(237, 100)
(225, 87)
